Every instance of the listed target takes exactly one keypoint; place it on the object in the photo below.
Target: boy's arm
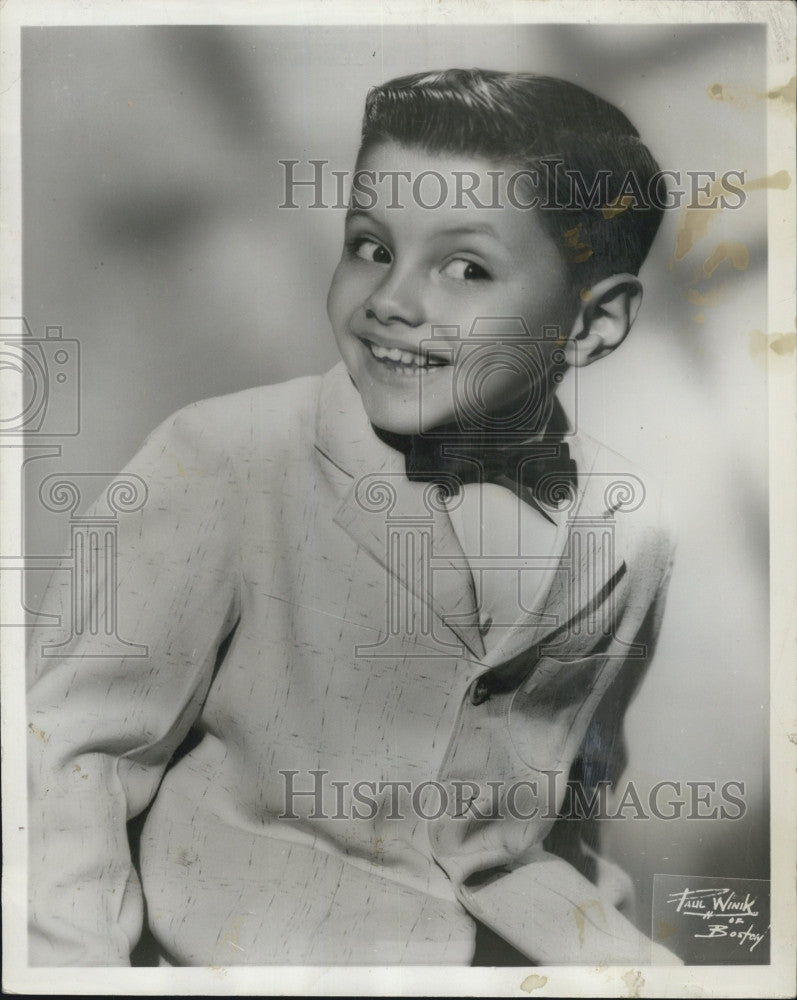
(603, 759)
(103, 727)
(566, 903)
(503, 869)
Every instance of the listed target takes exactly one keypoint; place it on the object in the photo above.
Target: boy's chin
(397, 422)
(396, 425)
(392, 416)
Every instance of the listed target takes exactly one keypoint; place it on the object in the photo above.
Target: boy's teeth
(397, 355)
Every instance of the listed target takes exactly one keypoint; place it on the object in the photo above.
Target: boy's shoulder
(264, 415)
(625, 493)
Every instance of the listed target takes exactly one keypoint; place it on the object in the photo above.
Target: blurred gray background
(152, 235)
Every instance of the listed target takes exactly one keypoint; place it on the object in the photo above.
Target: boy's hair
(523, 119)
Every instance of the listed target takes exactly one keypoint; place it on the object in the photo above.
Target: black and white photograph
(398, 470)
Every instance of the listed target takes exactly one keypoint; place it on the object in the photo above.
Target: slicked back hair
(520, 120)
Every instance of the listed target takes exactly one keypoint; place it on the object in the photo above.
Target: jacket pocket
(549, 712)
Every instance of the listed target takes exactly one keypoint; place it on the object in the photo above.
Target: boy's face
(406, 270)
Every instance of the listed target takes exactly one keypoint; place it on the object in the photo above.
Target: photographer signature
(727, 913)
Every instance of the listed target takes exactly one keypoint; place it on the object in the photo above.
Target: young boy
(381, 615)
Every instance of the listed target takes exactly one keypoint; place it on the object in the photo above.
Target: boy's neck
(548, 425)
(445, 448)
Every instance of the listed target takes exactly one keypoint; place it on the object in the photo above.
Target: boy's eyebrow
(476, 228)
(356, 213)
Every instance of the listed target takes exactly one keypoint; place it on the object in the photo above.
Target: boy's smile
(407, 270)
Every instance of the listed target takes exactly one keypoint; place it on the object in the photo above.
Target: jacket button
(480, 691)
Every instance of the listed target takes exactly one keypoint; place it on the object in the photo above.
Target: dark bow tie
(539, 471)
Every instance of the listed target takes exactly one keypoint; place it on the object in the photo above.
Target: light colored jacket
(305, 621)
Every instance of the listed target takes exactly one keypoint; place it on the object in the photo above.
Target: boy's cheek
(349, 288)
(333, 305)
(336, 296)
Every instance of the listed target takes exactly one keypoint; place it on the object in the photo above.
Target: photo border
(777, 979)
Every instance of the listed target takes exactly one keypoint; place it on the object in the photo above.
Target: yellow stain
(696, 298)
(781, 344)
(616, 207)
(533, 982)
(780, 181)
(742, 97)
(737, 253)
(579, 251)
(664, 930)
(579, 914)
(693, 222)
(634, 981)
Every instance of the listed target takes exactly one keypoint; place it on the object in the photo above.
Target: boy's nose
(395, 300)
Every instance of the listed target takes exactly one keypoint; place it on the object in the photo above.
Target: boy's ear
(603, 322)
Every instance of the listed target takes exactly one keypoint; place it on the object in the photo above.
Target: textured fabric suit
(259, 574)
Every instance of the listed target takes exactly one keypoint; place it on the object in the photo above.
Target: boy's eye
(370, 250)
(465, 270)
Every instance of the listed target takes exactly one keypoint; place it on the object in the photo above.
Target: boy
(383, 613)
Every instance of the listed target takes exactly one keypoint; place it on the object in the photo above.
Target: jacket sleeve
(564, 902)
(104, 722)
(602, 760)
(553, 898)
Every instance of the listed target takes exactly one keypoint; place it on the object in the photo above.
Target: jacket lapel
(584, 562)
(402, 524)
